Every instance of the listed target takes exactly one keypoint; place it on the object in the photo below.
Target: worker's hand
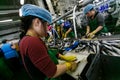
(65, 35)
(90, 35)
(49, 39)
(71, 66)
(85, 36)
(68, 58)
(86, 33)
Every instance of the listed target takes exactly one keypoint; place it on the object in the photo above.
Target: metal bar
(9, 31)
(74, 23)
(8, 12)
(79, 6)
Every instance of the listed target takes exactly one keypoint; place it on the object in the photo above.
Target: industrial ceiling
(9, 18)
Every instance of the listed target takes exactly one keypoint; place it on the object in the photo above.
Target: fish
(117, 50)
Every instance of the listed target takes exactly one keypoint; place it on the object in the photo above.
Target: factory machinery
(110, 9)
(99, 57)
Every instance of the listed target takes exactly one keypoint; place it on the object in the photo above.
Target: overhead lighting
(8, 20)
(20, 12)
(96, 0)
(22, 2)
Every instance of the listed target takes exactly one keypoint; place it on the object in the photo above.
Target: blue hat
(29, 9)
(60, 22)
(88, 8)
(67, 24)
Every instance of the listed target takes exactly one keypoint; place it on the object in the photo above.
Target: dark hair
(26, 22)
(4, 41)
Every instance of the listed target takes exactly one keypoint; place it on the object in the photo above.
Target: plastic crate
(102, 67)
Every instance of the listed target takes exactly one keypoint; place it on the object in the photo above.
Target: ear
(36, 22)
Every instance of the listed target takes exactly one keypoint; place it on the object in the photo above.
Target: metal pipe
(74, 23)
(50, 6)
(79, 6)
(62, 16)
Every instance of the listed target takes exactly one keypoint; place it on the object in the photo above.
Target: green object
(5, 72)
(94, 24)
(71, 34)
(52, 53)
(110, 23)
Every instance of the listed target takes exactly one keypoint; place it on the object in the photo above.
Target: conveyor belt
(112, 37)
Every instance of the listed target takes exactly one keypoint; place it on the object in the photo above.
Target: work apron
(71, 34)
(34, 73)
(94, 24)
(52, 53)
(5, 72)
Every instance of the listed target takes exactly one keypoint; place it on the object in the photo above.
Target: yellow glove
(49, 39)
(71, 66)
(68, 65)
(65, 35)
(16, 46)
(86, 33)
(67, 58)
(91, 35)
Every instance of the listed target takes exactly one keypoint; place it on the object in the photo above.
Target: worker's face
(40, 27)
(90, 13)
(62, 24)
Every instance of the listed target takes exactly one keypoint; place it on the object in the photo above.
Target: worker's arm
(67, 32)
(39, 56)
(92, 34)
(62, 68)
(87, 30)
(101, 23)
(97, 29)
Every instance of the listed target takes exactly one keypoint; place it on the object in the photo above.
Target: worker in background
(68, 29)
(52, 33)
(95, 22)
(59, 28)
(11, 55)
(37, 61)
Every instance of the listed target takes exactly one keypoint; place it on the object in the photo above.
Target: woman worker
(33, 51)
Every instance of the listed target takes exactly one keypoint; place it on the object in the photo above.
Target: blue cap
(60, 22)
(29, 9)
(88, 8)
